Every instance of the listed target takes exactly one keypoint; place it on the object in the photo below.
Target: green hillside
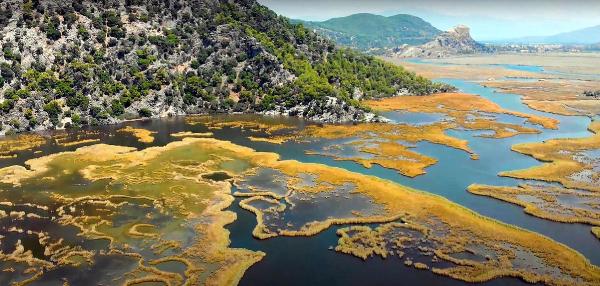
(368, 31)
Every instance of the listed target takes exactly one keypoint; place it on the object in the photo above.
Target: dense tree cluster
(101, 61)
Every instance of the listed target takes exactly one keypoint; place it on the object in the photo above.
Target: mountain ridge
(366, 31)
(589, 35)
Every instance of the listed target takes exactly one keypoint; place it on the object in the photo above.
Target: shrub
(117, 108)
(118, 33)
(145, 112)
(28, 114)
(144, 59)
(51, 28)
(64, 89)
(33, 122)
(54, 110)
(113, 19)
(6, 71)
(83, 32)
(247, 96)
(78, 101)
(76, 119)
(195, 64)
(23, 93)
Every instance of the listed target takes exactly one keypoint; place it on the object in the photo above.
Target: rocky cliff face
(99, 62)
(457, 41)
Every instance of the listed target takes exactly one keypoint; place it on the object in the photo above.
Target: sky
(488, 19)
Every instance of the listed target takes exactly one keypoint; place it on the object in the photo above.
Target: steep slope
(98, 62)
(457, 41)
(368, 31)
(589, 35)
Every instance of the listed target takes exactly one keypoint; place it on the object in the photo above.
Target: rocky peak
(458, 36)
(457, 41)
(460, 32)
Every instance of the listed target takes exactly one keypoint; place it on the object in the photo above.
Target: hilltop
(457, 41)
(368, 31)
(72, 63)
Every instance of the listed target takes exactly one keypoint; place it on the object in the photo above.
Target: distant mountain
(367, 31)
(586, 36)
(457, 41)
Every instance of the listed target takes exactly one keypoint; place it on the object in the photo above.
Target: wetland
(474, 186)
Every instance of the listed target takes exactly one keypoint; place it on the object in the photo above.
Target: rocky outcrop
(330, 110)
(457, 41)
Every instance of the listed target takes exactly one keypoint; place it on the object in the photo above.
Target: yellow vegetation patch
(168, 181)
(274, 140)
(192, 134)
(143, 135)
(433, 213)
(458, 106)
(162, 184)
(421, 266)
(77, 138)
(22, 142)
(80, 142)
(363, 243)
(596, 231)
(566, 162)
(548, 92)
(555, 96)
(545, 202)
(383, 142)
(245, 122)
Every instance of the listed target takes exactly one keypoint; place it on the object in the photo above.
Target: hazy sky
(488, 19)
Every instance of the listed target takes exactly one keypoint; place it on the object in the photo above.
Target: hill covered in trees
(368, 31)
(70, 63)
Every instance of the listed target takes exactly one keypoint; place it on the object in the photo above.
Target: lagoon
(290, 258)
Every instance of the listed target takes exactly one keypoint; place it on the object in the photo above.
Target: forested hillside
(70, 63)
(374, 33)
